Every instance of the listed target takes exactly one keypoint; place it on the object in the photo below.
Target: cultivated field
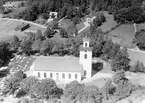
(7, 29)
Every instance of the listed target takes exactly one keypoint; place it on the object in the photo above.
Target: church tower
(86, 57)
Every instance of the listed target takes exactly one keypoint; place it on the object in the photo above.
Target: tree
(72, 90)
(46, 47)
(11, 85)
(63, 33)
(105, 89)
(54, 25)
(139, 39)
(121, 61)
(138, 67)
(26, 46)
(45, 89)
(76, 20)
(102, 17)
(36, 46)
(49, 33)
(69, 13)
(27, 84)
(97, 22)
(30, 36)
(38, 35)
(20, 74)
(97, 49)
(74, 50)
(5, 53)
(132, 14)
(124, 89)
(14, 43)
(110, 10)
(76, 92)
(119, 76)
(107, 48)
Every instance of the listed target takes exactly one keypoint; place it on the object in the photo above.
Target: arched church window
(38, 75)
(44, 75)
(76, 76)
(63, 75)
(85, 56)
(51, 75)
(69, 76)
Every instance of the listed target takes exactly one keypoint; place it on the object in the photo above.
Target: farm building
(22, 27)
(65, 69)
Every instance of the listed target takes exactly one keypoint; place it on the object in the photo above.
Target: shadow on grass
(4, 73)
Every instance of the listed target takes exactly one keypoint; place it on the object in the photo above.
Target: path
(97, 76)
(86, 23)
(136, 50)
(32, 23)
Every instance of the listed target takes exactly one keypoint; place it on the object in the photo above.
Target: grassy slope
(7, 29)
(125, 33)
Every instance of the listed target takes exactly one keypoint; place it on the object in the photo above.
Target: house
(53, 15)
(65, 69)
(14, 4)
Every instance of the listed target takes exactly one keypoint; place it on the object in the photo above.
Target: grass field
(69, 27)
(110, 23)
(136, 56)
(123, 35)
(7, 29)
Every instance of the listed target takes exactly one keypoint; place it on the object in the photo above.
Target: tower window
(69, 76)
(85, 44)
(44, 75)
(76, 76)
(38, 75)
(51, 75)
(85, 56)
(63, 75)
(85, 73)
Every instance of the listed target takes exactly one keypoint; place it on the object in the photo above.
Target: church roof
(57, 64)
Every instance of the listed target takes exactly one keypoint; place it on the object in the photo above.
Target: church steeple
(86, 57)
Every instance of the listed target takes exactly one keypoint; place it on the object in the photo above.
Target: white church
(67, 68)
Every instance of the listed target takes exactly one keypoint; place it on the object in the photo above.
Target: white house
(64, 69)
(54, 14)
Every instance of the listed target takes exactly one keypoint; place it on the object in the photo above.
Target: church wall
(58, 76)
(86, 63)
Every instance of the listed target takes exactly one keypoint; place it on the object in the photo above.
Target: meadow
(7, 29)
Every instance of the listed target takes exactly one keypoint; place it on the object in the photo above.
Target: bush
(138, 67)
(102, 17)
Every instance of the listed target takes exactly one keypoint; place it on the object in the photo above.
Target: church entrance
(57, 77)
(96, 67)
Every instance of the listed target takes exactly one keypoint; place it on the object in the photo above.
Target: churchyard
(20, 63)
(109, 80)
